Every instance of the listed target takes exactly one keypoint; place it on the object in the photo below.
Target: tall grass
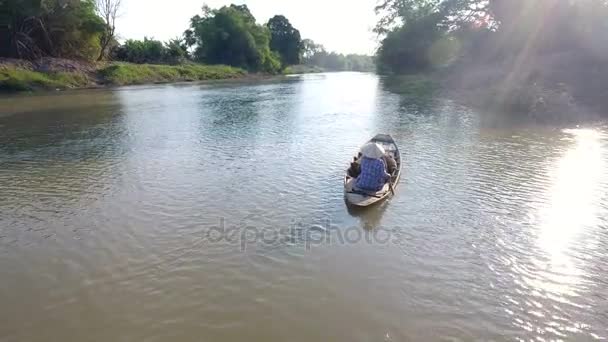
(124, 74)
(15, 79)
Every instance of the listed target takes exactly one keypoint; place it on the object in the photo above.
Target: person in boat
(391, 163)
(373, 168)
(355, 167)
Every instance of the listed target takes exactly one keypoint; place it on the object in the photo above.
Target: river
(215, 212)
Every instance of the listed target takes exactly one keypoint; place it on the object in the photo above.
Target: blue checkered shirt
(373, 174)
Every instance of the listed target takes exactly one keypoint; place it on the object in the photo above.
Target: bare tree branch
(108, 11)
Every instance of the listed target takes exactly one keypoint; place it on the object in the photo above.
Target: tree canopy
(285, 40)
(58, 28)
(230, 35)
(412, 30)
(85, 29)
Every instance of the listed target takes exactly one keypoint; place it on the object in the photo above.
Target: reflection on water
(573, 207)
(369, 219)
(197, 211)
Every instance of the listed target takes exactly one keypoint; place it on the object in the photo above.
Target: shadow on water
(492, 233)
(69, 133)
(417, 95)
(67, 153)
(82, 118)
(371, 217)
(230, 113)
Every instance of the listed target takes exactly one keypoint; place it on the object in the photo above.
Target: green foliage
(123, 74)
(14, 79)
(140, 51)
(153, 51)
(420, 34)
(176, 51)
(19, 27)
(74, 28)
(230, 35)
(58, 28)
(397, 13)
(309, 49)
(285, 40)
(363, 63)
(407, 48)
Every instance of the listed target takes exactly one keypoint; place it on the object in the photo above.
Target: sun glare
(572, 206)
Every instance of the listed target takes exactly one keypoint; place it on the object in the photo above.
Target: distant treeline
(316, 55)
(230, 35)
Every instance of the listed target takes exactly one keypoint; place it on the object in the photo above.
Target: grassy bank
(124, 73)
(17, 76)
(17, 79)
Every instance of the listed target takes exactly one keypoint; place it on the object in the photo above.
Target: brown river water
(216, 213)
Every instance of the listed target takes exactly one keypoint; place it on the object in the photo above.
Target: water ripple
(169, 212)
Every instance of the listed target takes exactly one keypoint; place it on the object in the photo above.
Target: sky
(344, 26)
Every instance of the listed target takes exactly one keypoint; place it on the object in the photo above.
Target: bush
(141, 51)
(151, 51)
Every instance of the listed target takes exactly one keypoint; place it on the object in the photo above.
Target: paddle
(390, 182)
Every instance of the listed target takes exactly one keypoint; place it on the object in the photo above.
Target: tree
(411, 30)
(20, 25)
(285, 40)
(230, 35)
(73, 27)
(420, 34)
(406, 48)
(57, 28)
(309, 49)
(108, 11)
(176, 51)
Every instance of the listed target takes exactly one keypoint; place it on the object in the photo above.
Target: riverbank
(59, 74)
(302, 69)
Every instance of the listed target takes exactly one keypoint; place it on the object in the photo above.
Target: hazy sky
(340, 25)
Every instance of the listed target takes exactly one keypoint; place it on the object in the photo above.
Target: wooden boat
(360, 198)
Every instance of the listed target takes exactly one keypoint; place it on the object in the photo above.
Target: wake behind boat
(361, 198)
